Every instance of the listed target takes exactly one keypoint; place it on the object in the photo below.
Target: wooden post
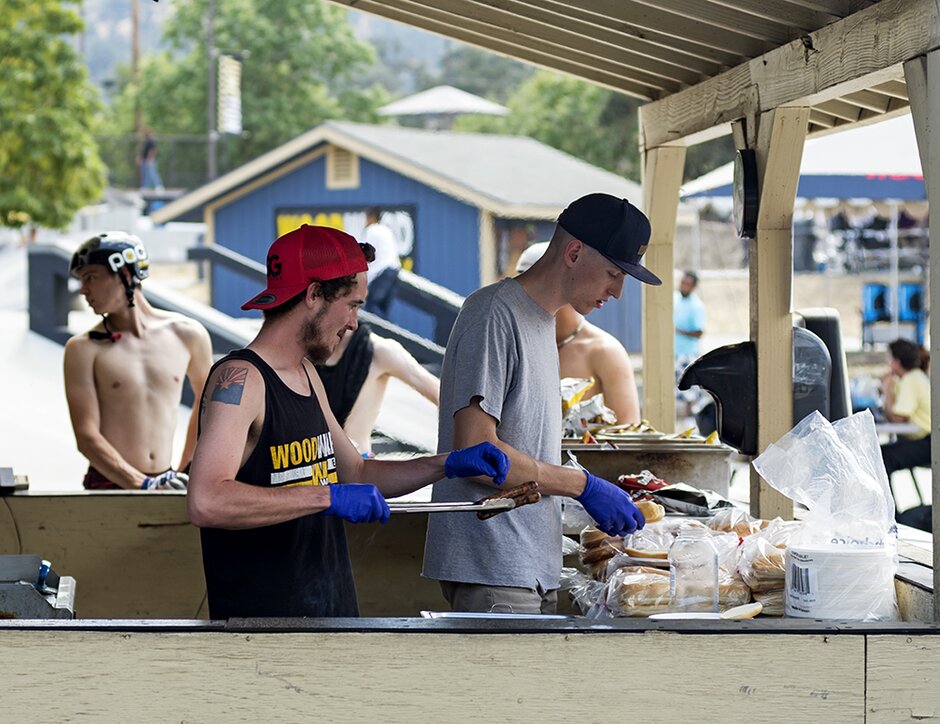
(779, 148)
(662, 176)
(925, 106)
(487, 248)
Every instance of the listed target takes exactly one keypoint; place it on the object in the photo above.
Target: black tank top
(344, 380)
(297, 568)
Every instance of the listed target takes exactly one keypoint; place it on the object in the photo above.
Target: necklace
(571, 336)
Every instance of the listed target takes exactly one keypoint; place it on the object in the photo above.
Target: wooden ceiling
(651, 49)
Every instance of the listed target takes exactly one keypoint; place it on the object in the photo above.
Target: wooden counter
(402, 670)
(134, 556)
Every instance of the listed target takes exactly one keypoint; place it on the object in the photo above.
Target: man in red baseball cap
(274, 476)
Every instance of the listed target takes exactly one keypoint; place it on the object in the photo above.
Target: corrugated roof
(511, 176)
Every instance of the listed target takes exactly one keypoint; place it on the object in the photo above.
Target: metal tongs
(484, 508)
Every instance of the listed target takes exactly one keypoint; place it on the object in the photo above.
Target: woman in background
(907, 399)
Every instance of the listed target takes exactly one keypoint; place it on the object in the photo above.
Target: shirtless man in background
(124, 377)
(356, 376)
(585, 351)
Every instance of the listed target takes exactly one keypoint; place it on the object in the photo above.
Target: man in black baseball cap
(615, 227)
(499, 383)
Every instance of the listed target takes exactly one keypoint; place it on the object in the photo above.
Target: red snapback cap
(307, 254)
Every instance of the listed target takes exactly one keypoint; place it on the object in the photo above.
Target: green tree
(481, 72)
(49, 163)
(597, 125)
(580, 118)
(300, 67)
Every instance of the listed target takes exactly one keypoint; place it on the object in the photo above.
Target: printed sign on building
(353, 221)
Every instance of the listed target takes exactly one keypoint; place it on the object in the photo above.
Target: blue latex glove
(610, 507)
(482, 459)
(170, 480)
(358, 503)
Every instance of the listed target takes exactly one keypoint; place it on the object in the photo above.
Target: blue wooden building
(462, 205)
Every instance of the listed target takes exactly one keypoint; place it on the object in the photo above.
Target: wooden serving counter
(134, 556)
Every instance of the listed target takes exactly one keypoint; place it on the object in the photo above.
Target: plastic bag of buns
(649, 543)
(732, 591)
(588, 595)
(762, 565)
(638, 591)
(729, 548)
(773, 602)
(597, 549)
(735, 520)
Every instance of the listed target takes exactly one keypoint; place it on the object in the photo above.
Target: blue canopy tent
(878, 163)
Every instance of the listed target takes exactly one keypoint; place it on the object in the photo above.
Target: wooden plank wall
(395, 677)
(135, 555)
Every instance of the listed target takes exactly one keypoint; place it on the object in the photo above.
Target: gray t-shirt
(502, 348)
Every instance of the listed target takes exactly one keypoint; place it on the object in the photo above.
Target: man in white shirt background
(383, 272)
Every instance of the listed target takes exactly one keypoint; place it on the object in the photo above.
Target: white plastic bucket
(841, 582)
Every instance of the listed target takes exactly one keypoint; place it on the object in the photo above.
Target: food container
(841, 582)
(676, 461)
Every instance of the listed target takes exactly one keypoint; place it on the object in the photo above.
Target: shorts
(94, 480)
(480, 598)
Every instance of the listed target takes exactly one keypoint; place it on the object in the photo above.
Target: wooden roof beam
(554, 33)
(841, 8)
(661, 45)
(818, 118)
(783, 11)
(893, 88)
(870, 100)
(518, 49)
(840, 109)
(773, 31)
(588, 33)
(643, 18)
(859, 52)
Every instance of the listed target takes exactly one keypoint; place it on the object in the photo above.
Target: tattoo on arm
(230, 385)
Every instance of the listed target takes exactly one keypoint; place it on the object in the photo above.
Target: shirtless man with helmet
(124, 377)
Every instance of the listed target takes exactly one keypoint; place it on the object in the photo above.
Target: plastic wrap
(638, 591)
(572, 391)
(772, 602)
(732, 591)
(596, 549)
(588, 595)
(841, 563)
(587, 416)
(728, 546)
(762, 565)
(736, 520)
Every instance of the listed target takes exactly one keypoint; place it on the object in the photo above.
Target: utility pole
(211, 110)
(135, 65)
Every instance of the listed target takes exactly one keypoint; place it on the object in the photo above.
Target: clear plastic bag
(841, 562)
(588, 595)
(638, 591)
(736, 520)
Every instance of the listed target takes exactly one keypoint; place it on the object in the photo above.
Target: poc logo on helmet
(127, 256)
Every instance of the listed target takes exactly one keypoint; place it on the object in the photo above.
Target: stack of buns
(598, 549)
(638, 591)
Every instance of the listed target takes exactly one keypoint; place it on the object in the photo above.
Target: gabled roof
(445, 100)
(510, 176)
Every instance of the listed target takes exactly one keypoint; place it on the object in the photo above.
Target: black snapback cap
(614, 227)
